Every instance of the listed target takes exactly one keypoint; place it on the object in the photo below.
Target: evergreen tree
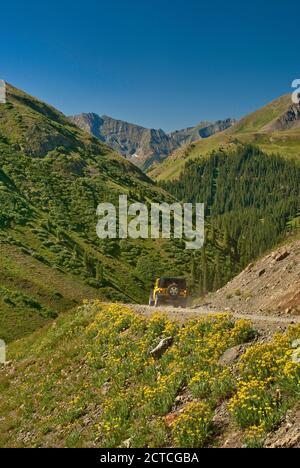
(89, 264)
(193, 271)
(217, 274)
(100, 273)
(204, 271)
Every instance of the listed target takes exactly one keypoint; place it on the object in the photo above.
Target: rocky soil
(270, 287)
(266, 325)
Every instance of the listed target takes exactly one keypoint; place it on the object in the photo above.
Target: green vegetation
(96, 384)
(32, 292)
(250, 197)
(260, 128)
(52, 177)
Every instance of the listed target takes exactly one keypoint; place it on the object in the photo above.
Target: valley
(250, 196)
(149, 229)
(142, 146)
(275, 128)
(72, 306)
(52, 178)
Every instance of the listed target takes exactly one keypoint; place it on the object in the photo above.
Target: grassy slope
(32, 293)
(52, 176)
(95, 383)
(249, 129)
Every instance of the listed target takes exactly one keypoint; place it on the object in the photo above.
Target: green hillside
(52, 177)
(253, 197)
(274, 128)
(95, 383)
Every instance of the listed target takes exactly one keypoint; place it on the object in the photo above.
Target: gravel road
(262, 322)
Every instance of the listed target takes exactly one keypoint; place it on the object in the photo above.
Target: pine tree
(89, 264)
(100, 273)
(204, 271)
(193, 271)
(217, 274)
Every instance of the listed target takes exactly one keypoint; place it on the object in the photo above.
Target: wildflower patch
(97, 385)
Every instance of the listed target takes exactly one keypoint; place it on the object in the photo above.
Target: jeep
(171, 291)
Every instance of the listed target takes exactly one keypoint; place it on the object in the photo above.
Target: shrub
(254, 405)
(194, 426)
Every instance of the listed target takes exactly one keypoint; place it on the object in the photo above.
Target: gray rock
(231, 355)
(162, 347)
(144, 146)
(126, 443)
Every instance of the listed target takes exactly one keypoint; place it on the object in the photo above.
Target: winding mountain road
(262, 322)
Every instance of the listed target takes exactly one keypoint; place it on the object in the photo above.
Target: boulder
(231, 355)
(281, 256)
(288, 435)
(261, 272)
(162, 347)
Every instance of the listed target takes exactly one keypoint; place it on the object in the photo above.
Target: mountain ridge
(144, 146)
(274, 128)
(53, 175)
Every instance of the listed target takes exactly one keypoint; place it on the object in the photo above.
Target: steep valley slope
(105, 376)
(52, 177)
(250, 196)
(270, 286)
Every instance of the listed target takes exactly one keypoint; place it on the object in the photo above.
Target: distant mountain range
(275, 128)
(144, 146)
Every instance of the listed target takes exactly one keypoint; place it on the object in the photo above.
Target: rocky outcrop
(162, 347)
(231, 355)
(289, 119)
(203, 130)
(272, 285)
(288, 434)
(144, 146)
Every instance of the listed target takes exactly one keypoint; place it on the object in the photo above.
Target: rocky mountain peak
(141, 145)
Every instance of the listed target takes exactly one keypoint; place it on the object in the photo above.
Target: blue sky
(162, 64)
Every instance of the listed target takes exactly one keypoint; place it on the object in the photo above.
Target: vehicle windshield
(166, 282)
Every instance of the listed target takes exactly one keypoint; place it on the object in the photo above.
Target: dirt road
(262, 322)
